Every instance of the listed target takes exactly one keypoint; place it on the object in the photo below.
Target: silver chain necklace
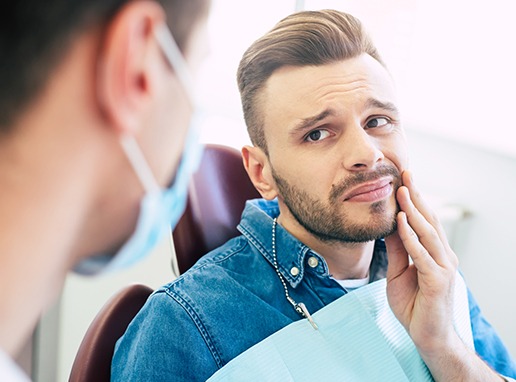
(298, 307)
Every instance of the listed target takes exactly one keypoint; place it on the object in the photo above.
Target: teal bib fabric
(359, 339)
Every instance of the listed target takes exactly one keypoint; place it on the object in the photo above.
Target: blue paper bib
(359, 339)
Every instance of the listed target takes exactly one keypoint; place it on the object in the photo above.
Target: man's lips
(371, 191)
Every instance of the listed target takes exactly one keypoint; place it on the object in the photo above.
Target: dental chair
(93, 359)
(217, 196)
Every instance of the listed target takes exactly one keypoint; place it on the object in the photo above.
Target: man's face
(336, 148)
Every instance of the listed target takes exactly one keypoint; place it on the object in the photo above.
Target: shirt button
(313, 262)
(294, 271)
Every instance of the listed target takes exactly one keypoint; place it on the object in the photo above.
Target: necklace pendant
(301, 309)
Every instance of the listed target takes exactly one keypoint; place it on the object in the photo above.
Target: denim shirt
(233, 298)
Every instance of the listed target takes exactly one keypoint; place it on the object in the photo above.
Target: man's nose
(360, 150)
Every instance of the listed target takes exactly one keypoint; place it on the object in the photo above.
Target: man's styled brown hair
(301, 39)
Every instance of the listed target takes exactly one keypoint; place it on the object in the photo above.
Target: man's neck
(345, 260)
(348, 261)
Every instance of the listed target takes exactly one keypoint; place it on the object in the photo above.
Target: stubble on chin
(331, 222)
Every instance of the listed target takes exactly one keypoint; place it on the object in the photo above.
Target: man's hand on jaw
(421, 293)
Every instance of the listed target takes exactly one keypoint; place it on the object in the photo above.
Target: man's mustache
(365, 176)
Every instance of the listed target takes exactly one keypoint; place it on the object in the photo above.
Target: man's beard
(328, 222)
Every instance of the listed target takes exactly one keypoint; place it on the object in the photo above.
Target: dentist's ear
(130, 61)
(258, 168)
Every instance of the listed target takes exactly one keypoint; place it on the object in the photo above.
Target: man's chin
(377, 227)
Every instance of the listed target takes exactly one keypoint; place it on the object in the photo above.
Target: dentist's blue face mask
(160, 209)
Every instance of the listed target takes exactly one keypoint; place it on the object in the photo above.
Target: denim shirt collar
(292, 255)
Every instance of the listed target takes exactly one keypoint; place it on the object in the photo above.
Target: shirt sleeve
(162, 343)
(488, 344)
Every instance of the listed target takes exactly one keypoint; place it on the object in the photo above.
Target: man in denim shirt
(329, 158)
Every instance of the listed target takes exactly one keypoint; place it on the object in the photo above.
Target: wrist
(454, 361)
(441, 347)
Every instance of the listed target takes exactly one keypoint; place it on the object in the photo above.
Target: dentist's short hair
(35, 35)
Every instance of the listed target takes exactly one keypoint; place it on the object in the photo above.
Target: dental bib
(358, 339)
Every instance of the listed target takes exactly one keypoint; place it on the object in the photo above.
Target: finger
(397, 256)
(422, 206)
(416, 196)
(421, 257)
(426, 233)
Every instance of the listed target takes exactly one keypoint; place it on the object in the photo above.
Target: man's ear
(258, 168)
(128, 65)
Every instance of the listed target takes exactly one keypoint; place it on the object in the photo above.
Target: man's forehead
(306, 89)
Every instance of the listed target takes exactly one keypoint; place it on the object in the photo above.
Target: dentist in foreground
(97, 143)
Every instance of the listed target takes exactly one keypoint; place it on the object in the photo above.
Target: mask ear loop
(140, 165)
(175, 58)
(177, 62)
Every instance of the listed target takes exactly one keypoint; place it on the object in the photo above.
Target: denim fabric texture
(232, 299)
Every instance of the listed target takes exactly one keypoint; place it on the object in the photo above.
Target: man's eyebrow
(308, 122)
(373, 103)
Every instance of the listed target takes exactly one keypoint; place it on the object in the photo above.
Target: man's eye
(378, 122)
(317, 135)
